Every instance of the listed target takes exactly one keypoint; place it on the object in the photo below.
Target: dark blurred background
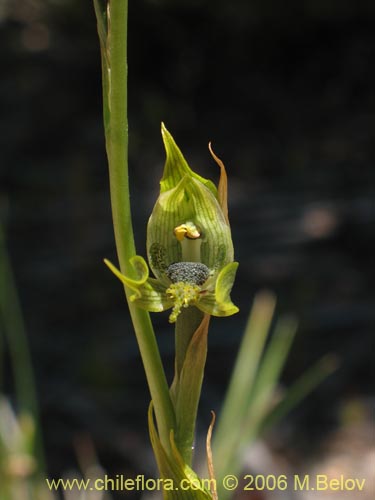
(285, 91)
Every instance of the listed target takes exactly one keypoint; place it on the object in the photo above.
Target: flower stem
(186, 324)
(114, 60)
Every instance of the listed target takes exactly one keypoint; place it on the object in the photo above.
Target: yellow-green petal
(224, 284)
(148, 293)
(219, 303)
(140, 268)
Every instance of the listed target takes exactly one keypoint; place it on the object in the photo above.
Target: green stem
(116, 127)
(187, 322)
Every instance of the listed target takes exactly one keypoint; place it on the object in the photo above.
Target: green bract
(189, 244)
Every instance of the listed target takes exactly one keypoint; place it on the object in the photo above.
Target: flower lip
(188, 272)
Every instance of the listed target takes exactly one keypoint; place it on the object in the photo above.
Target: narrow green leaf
(229, 434)
(307, 382)
(245, 369)
(101, 19)
(260, 401)
(14, 330)
(100, 8)
(177, 476)
(188, 389)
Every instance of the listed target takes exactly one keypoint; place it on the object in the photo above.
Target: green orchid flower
(189, 244)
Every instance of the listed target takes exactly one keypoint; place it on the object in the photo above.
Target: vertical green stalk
(112, 28)
(186, 324)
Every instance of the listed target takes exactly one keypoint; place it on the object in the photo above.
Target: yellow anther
(188, 230)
